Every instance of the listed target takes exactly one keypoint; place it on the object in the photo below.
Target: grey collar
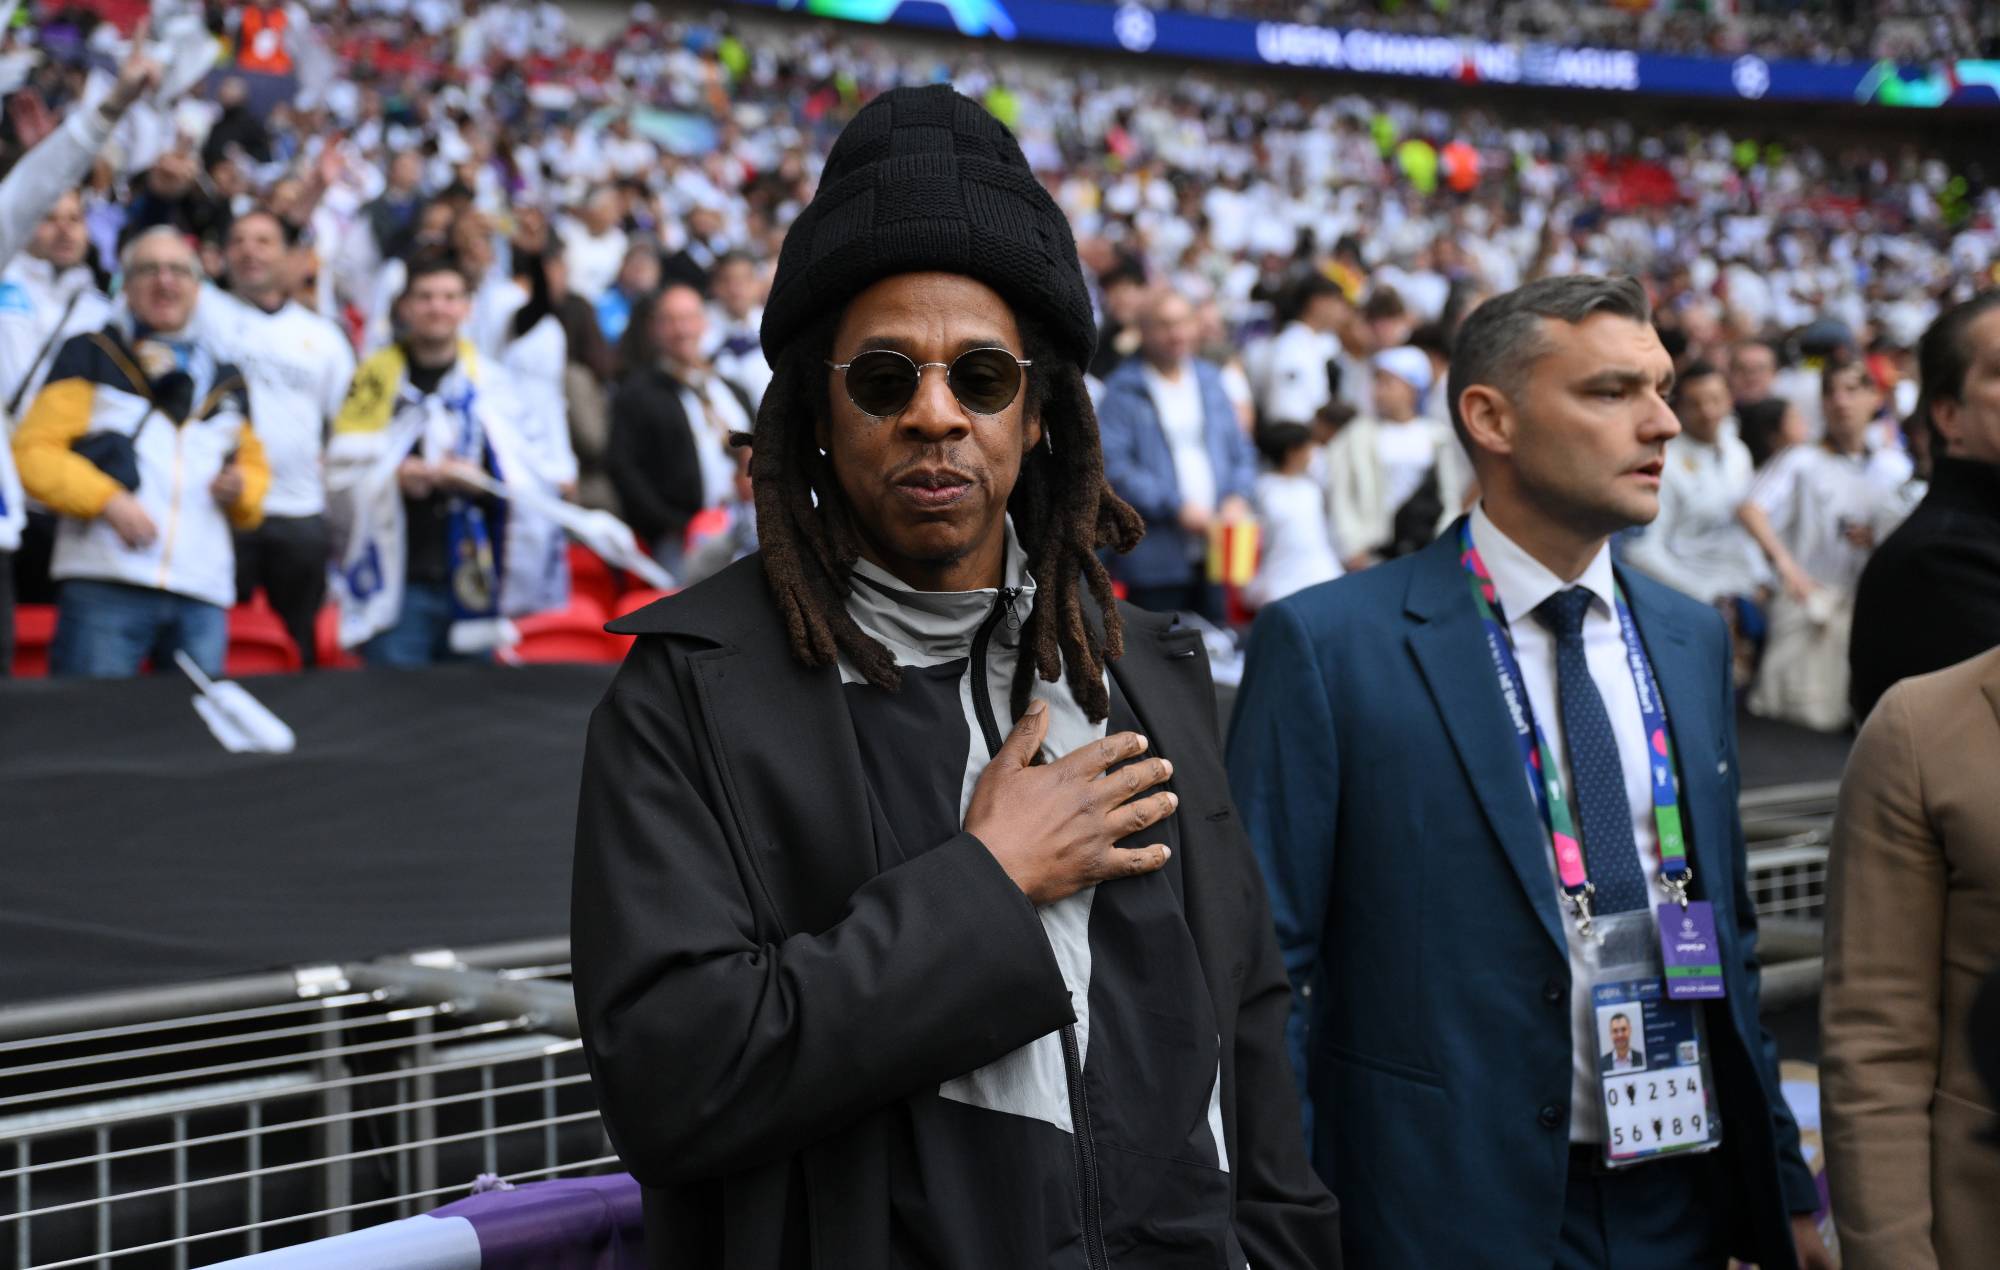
(927, 627)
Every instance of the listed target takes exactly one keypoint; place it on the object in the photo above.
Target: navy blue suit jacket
(1373, 761)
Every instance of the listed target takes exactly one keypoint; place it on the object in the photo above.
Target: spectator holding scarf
(422, 571)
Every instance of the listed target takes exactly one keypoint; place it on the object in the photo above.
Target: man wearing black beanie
(913, 924)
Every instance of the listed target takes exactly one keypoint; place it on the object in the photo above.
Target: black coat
(757, 999)
(1930, 596)
(650, 455)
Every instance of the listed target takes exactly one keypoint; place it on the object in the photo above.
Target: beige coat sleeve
(1879, 1010)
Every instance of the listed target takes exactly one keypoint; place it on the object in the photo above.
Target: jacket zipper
(982, 700)
(173, 517)
(1088, 1201)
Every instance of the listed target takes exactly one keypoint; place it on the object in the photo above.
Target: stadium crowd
(548, 261)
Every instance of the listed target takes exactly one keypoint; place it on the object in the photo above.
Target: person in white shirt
(298, 366)
(1697, 545)
(594, 244)
(1812, 512)
(47, 290)
(1298, 375)
(733, 343)
(627, 153)
(1394, 480)
(514, 322)
(1294, 539)
(47, 294)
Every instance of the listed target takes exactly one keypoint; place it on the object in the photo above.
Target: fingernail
(1036, 707)
(1166, 852)
(1173, 799)
(1167, 765)
(1144, 743)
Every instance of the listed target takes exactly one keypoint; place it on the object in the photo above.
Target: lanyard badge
(1687, 927)
(1656, 1086)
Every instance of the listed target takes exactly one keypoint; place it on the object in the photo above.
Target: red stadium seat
(259, 644)
(34, 631)
(327, 652)
(706, 524)
(574, 634)
(589, 576)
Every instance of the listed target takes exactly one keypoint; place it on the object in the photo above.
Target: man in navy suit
(1442, 957)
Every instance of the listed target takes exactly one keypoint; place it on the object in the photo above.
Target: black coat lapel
(1164, 676)
(784, 746)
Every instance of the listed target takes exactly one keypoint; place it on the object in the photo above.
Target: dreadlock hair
(1063, 510)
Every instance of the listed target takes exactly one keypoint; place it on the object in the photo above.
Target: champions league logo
(1134, 27)
(1751, 75)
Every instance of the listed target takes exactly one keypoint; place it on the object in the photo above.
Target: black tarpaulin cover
(422, 809)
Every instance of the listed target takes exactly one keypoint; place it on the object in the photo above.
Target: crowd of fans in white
(476, 207)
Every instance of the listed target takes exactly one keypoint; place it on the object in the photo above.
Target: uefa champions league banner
(1137, 29)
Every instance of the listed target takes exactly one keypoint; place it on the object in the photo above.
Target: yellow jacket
(94, 386)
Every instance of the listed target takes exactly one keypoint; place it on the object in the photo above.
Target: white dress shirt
(1522, 583)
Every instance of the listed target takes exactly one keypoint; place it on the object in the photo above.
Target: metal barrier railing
(1789, 828)
(259, 1112)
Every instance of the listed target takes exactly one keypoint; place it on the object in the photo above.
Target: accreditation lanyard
(1544, 777)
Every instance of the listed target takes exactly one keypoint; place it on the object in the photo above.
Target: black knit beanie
(925, 179)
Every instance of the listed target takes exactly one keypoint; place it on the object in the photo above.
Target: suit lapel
(1450, 647)
(792, 774)
(1688, 689)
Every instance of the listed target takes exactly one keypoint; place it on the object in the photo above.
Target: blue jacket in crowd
(1139, 463)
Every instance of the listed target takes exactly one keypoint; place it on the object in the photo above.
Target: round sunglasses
(881, 382)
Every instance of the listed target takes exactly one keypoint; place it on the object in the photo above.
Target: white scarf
(365, 505)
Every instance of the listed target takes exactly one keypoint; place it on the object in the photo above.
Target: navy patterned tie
(1597, 778)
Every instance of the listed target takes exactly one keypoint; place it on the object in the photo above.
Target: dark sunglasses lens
(985, 380)
(881, 382)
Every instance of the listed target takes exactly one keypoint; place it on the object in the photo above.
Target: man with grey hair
(1481, 778)
(141, 442)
